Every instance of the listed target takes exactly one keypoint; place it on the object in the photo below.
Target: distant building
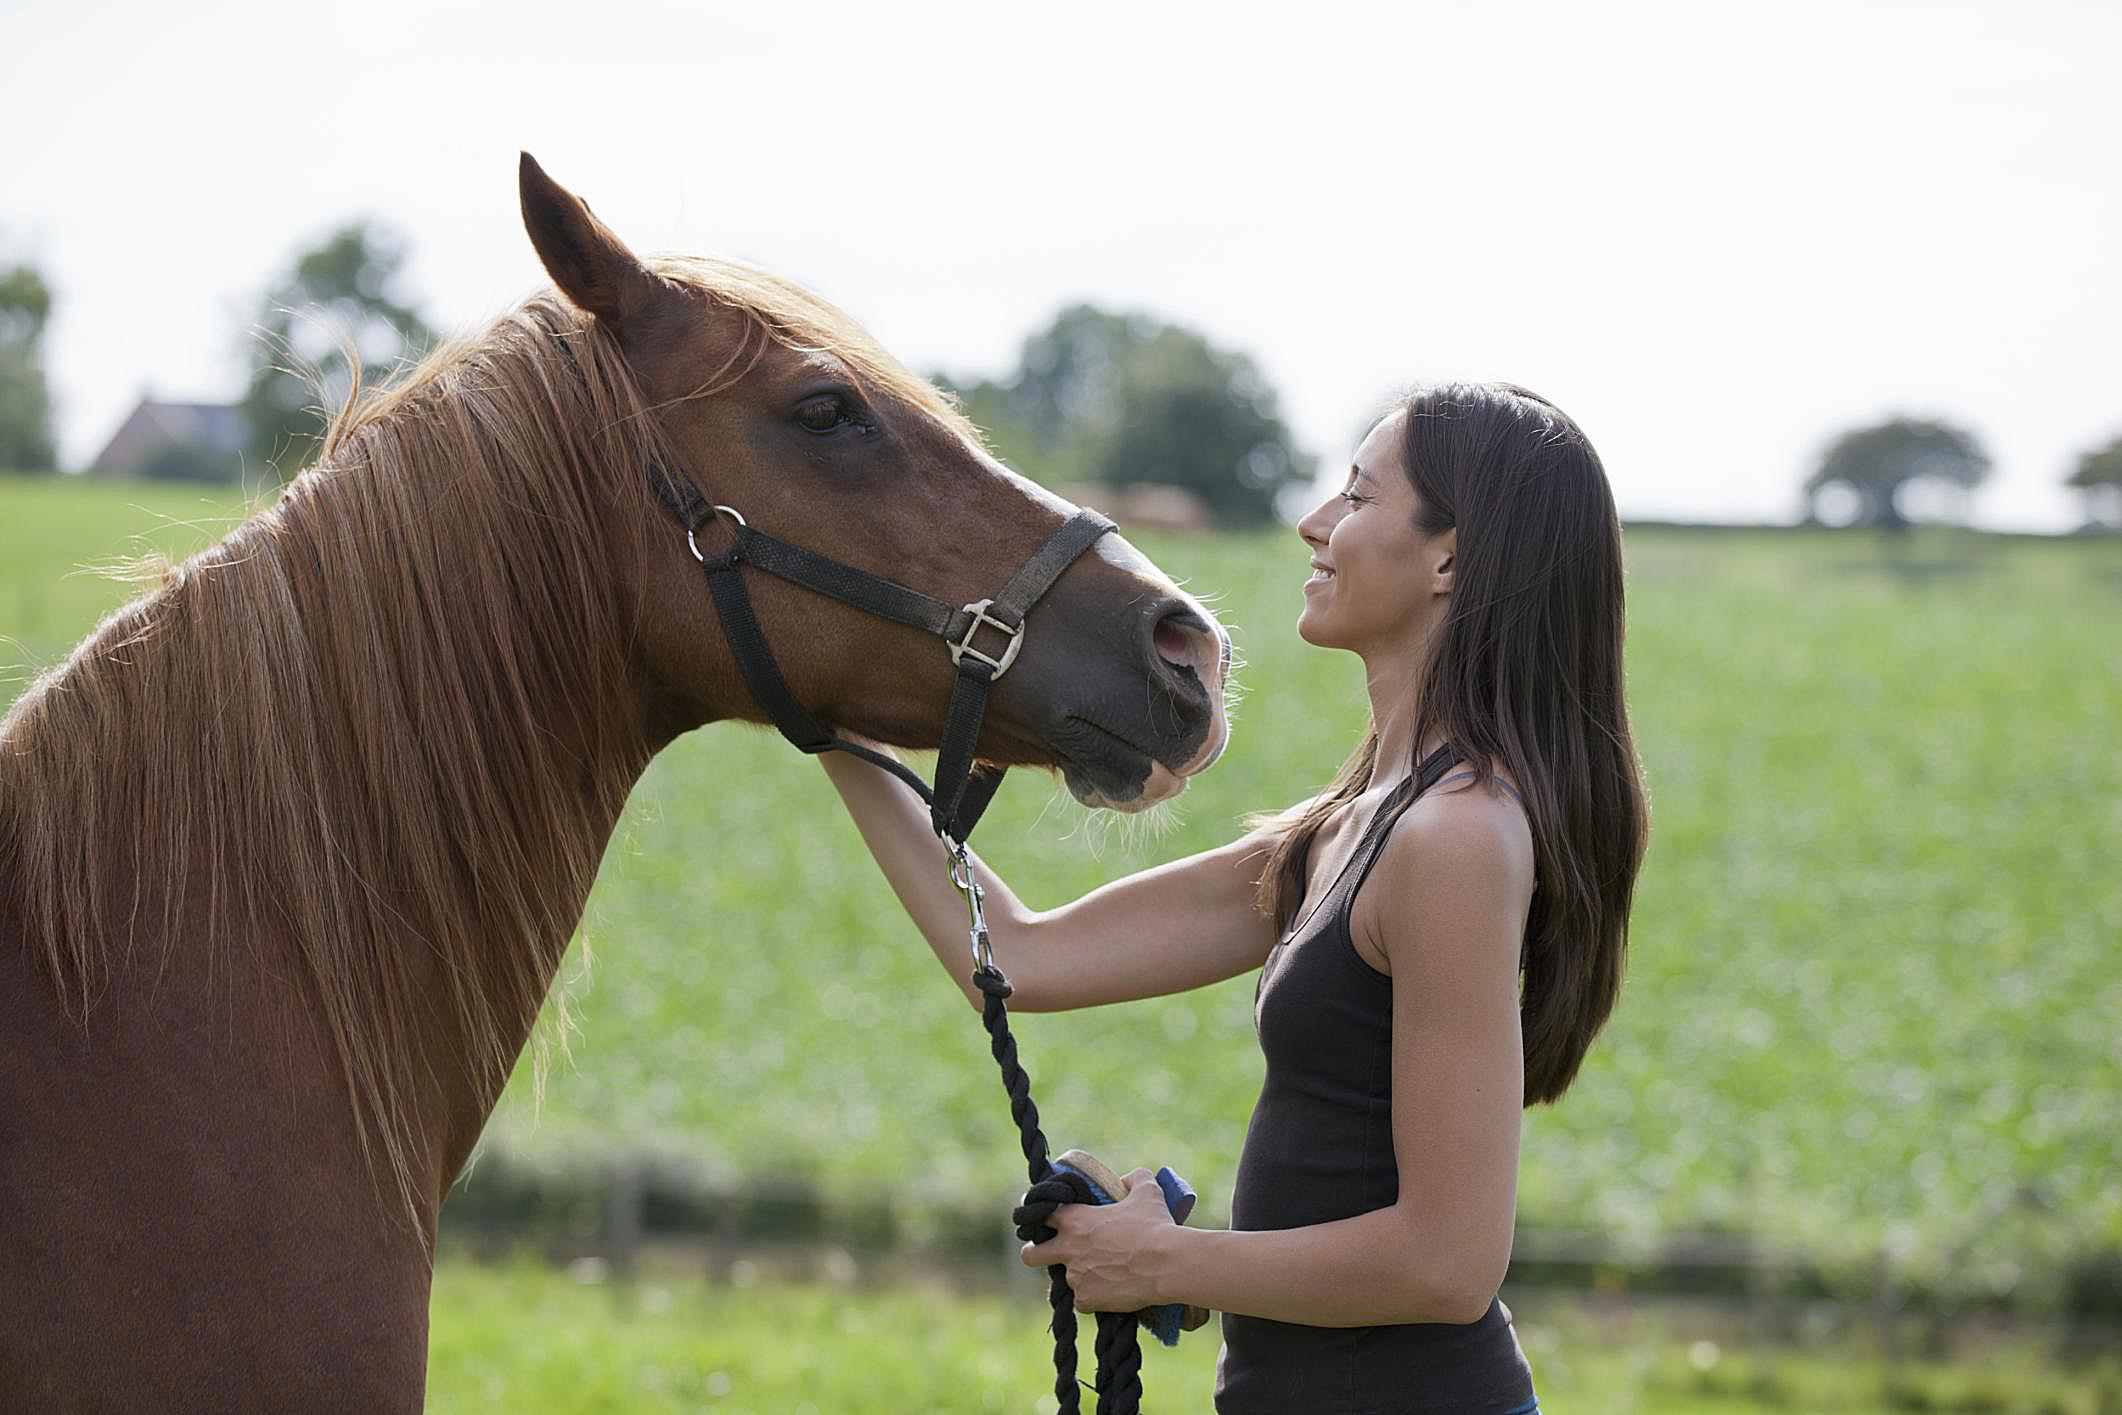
(176, 442)
(1144, 506)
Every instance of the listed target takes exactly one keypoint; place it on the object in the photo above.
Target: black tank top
(1320, 1148)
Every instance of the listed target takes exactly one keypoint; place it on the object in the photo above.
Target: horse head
(778, 405)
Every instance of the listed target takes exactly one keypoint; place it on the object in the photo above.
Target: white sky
(1715, 237)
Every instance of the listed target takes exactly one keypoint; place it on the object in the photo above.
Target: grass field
(1874, 986)
(528, 1340)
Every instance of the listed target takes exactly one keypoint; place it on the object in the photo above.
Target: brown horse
(290, 848)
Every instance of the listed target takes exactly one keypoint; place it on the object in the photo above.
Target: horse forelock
(798, 319)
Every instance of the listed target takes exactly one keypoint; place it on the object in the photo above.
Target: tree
(987, 404)
(2099, 478)
(25, 398)
(340, 297)
(1876, 463)
(1126, 399)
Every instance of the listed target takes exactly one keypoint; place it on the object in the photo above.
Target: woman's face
(1377, 582)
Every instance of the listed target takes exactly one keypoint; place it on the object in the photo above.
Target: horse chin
(1109, 773)
(1100, 790)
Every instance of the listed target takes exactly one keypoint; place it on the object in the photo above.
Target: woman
(1440, 932)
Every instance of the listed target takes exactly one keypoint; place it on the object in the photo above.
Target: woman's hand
(1114, 1252)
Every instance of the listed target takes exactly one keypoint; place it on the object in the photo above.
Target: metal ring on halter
(732, 512)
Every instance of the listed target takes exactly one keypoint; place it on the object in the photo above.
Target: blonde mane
(374, 728)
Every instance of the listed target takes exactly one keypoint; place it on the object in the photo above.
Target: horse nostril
(1174, 645)
(1185, 641)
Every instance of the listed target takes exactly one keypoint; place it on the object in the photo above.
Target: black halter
(961, 793)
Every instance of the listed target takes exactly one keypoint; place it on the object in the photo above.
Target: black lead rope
(1119, 1346)
(957, 801)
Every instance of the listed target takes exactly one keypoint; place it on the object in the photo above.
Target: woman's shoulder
(1461, 847)
(1464, 822)
(1461, 779)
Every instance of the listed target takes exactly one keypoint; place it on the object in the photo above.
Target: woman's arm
(1178, 926)
(1446, 906)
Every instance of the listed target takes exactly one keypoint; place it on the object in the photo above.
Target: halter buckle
(962, 649)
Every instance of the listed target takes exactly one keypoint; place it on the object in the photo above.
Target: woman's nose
(1317, 524)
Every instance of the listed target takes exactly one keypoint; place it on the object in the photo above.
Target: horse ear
(592, 267)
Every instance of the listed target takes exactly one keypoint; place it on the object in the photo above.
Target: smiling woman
(1468, 876)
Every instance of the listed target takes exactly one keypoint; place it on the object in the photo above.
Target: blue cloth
(1163, 1320)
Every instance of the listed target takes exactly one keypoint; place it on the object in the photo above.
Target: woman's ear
(1445, 553)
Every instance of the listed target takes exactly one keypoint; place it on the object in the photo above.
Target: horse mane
(376, 720)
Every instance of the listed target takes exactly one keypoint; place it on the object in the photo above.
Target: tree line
(1096, 398)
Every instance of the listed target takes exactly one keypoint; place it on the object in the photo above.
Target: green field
(1874, 989)
(528, 1340)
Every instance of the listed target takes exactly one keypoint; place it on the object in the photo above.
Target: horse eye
(823, 413)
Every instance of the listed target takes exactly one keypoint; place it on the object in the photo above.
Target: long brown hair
(1526, 669)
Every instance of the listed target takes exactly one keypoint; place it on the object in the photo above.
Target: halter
(961, 794)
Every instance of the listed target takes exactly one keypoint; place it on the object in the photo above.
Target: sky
(1717, 236)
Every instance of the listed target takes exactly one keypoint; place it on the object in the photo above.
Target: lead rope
(961, 794)
(1119, 1346)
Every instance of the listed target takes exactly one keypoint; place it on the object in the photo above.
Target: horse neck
(493, 772)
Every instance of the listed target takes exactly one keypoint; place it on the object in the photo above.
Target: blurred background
(1831, 287)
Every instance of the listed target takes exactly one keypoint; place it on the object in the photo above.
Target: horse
(291, 847)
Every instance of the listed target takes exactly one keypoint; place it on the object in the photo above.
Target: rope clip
(967, 884)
